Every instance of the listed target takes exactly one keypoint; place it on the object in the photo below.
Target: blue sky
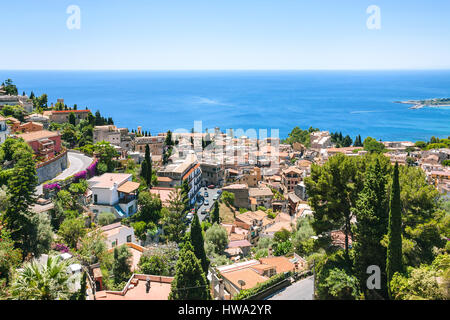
(225, 34)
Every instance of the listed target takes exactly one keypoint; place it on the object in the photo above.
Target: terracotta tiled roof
(38, 135)
(190, 171)
(250, 277)
(282, 264)
(128, 187)
(239, 243)
(69, 111)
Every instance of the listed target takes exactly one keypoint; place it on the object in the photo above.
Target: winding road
(301, 290)
(77, 162)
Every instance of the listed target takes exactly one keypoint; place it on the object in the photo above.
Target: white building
(116, 234)
(114, 192)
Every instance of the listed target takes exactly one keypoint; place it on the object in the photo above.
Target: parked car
(205, 211)
(211, 186)
(206, 203)
(219, 191)
(206, 194)
(216, 196)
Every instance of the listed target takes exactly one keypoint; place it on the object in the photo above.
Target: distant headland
(418, 104)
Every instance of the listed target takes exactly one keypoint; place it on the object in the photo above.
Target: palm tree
(48, 281)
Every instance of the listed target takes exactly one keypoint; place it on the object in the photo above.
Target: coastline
(419, 104)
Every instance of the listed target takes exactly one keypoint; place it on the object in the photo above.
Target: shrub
(91, 170)
(105, 218)
(61, 247)
(80, 175)
(247, 293)
(52, 187)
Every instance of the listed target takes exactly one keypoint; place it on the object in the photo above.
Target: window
(95, 198)
(129, 238)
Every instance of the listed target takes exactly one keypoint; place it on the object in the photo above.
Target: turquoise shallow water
(354, 102)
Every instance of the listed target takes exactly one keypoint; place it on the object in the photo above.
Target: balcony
(127, 199)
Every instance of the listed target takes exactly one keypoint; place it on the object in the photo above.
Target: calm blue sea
(354, 102)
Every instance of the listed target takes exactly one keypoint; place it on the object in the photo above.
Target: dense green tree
(150, 206)
(93, 248)
(394, 250)
(197, 241)
(228, 198)
(140, 230)
(371, 226)
(153, 265)
(332, 192)
(106, 155)
(174, 216)
(121, 267)
(324, 265)
(190, 282)
(41, 234)
(417, 284)
(21, 189)
(40, 102)
(340, 285)
(217, 236)
(71, 230)
(373, 146)
(282, 235)
(17, 112)
(10, 88)
(72, 119)
(10, 257)
(299, 135)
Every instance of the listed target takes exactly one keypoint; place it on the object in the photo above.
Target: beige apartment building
(290, 177)
(155, 143)
(62, 116)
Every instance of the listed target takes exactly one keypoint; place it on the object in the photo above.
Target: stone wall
(52, 168)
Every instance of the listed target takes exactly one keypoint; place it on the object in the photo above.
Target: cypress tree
(168, 141)
(371, 215)
(148, 164)
(72, 119)
(394, 250)
(190, 281)
(82, 291)
(185, 195)
(215, 216)
(196, 238)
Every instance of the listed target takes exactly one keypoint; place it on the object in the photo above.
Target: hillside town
(131, 214)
